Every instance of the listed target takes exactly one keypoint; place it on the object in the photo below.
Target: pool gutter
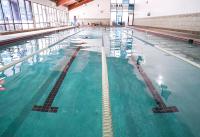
(9, 39)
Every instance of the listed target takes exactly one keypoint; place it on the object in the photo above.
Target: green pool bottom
(79, 99)
(132, 104)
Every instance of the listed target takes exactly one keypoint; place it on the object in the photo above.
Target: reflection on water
(121, 45)
(16, 51)
(181, 48)
(31, 61)
(165, 93)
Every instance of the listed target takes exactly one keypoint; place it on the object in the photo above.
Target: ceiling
(71, 4)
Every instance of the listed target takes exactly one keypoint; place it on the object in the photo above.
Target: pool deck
(7, 39)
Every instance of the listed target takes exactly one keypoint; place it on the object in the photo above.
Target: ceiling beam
(62, 2)
(77, 4)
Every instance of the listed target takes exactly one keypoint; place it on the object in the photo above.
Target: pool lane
(79, 101)
(47, 106)
(79, 98)
(177, 81)
(131, 103)
(26, 88)
(131, 106)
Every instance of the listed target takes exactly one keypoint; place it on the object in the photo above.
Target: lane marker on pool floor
(161, 106)
(47, 106)
(107, 116)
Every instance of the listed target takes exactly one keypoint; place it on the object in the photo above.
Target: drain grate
(47, 106)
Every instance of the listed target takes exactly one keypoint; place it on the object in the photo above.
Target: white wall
(165, 7)
(97, 9)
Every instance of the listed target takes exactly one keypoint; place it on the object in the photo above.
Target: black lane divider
(161, 106)
(47, 106)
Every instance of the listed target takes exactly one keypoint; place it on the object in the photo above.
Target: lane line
(161, 106)
(47, 106)
(107, 116)
(37, 52)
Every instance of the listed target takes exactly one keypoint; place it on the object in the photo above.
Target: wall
(93, 12)
(175, 14)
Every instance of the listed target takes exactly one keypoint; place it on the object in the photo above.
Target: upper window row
(123, 1)
(17, 15)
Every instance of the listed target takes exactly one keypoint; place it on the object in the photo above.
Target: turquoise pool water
(79, 99)
(132, 103)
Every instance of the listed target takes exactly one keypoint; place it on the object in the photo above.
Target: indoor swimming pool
(53, 86)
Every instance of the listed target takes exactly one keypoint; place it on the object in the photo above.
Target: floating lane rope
(107, 116)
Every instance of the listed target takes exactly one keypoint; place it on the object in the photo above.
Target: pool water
(79, 99)
(132, 103)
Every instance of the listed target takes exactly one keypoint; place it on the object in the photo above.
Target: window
(119, 1)
(15, 11)
(131, 1)
(2, 25)
(7, 14)
(113, 1)
(44, 16)
(29, 14)
(121, 12)
(16, 14)
(36, 15)
(125, 1)
(23, 14)
(23, 11)
(29, 11)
